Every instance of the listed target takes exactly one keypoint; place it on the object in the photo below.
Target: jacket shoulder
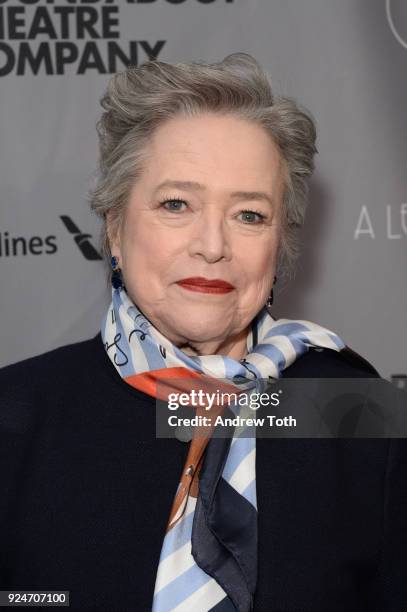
(51, 361)
(327, 363)
(36, 379)
(31, 387)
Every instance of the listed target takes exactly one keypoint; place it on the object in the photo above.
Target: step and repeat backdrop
(345, 61)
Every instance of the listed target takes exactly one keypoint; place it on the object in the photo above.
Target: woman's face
(185, 218)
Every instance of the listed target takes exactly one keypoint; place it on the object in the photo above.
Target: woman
(202, 189)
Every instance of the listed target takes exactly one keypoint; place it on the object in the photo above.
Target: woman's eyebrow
(237, 195)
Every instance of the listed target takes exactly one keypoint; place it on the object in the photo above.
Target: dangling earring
(270, 299)
(117, 280)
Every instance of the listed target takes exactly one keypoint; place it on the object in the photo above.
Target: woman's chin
(201, 325)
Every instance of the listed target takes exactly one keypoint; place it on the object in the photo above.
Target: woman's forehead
(189, 150)
(190, 133)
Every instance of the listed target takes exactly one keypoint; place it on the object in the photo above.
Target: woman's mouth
(206, 285)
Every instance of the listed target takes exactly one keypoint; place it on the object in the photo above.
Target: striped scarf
(208, 559)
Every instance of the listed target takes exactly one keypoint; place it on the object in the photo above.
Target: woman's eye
(249, 217)
(175, 208)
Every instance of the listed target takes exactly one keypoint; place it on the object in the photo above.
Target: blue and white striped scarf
(207, 562)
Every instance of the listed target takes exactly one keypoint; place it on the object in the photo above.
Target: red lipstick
(205, 285)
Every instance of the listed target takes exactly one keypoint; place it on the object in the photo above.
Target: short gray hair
(139, 99)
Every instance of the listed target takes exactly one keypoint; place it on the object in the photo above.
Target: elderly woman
(202, 189)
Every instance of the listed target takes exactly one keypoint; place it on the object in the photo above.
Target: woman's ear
(113, 234)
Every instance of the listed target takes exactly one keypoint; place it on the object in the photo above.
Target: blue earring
(117, 280)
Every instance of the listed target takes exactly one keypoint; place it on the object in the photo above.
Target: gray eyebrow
(194, 186)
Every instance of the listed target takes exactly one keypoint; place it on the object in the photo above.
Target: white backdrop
(346, 61)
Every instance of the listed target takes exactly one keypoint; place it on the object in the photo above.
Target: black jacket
(86, 491)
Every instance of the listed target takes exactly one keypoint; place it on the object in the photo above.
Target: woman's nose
(210, 238)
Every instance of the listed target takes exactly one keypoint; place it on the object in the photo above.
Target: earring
(117, 280)
(270, 299)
